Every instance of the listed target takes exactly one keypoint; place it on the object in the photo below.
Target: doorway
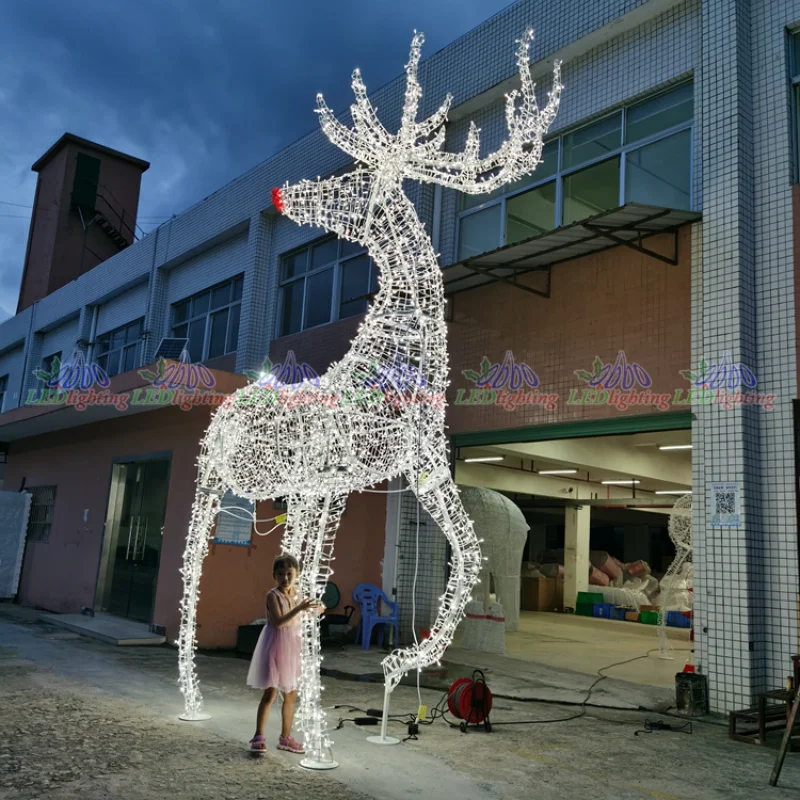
(133, 535)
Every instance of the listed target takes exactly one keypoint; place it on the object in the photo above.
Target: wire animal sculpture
(680, 531)
(264, 443)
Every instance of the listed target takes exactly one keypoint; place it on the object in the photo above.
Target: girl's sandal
(258, 745)
(290, 745)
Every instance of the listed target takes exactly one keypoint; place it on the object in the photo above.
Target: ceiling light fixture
(675, 491)
(675, 447)
(619, 483)
(483, 458)
(557, 471)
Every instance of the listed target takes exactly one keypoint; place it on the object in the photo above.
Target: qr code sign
(725, 503)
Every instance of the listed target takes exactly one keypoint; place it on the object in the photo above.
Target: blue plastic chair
(369, 597)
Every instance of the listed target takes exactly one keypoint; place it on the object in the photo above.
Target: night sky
(203, 90)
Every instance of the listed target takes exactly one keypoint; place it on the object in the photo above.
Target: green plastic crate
(584, 609)
(649, 617)
(590, 598)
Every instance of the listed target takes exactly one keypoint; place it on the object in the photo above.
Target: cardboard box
(541, 594)
(631, 616)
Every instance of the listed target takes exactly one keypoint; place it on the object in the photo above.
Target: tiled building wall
(421, 568)
(259, 295)
(776, 345)
(747, 582)
(727, 581)
(11, 364)
(60, 340)
(216, 264)
(122, 309)
(650, 56)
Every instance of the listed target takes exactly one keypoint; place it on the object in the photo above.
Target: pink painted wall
(236, 579)
(60, 575)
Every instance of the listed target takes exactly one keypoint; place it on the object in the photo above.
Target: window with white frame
(49, 362)
(794, 69)
(328, 280)
(118, 350)
(640, 154)
(210, 320)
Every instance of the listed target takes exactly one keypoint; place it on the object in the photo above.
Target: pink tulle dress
(276, 659)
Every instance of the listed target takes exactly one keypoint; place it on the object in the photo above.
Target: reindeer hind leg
(204, 511)
(438, 495)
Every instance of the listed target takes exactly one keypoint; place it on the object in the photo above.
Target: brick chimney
(84, 211)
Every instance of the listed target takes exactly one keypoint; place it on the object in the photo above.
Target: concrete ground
(556, 658)
(80, 718)
(585, 644)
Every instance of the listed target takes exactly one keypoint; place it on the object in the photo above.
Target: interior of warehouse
(597, 546)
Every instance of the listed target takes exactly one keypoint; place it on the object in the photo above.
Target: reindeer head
(415, 151)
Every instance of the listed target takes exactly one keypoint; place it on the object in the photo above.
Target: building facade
(660, 224)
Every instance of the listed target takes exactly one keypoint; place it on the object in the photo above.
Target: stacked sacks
(494, 640)
(608, 565)
(633, 582)
(473, 626)
(596, 577)
(530, 569)
(552, 570)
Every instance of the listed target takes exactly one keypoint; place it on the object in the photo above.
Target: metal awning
(627, 226)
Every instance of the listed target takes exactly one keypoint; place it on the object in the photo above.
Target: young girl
(275, 666)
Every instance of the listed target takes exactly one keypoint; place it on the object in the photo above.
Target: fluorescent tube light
(483, 458)
(556, 471)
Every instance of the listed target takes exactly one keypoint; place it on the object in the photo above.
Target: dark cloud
(202, 89)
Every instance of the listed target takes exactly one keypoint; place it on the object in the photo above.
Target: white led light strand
(316, 443)
(680, 531)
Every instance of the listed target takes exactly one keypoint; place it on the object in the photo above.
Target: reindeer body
(315, 444)
(352, 437)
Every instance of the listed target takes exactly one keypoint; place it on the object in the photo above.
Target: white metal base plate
(195, 718)
(309, 763)
(382, 740)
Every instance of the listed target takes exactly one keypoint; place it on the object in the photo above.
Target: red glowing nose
(277, 200)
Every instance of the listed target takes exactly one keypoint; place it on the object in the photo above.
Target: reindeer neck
(410, 277)
(405, 323)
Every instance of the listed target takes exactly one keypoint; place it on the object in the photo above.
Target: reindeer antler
(417, 147)
(517, 156)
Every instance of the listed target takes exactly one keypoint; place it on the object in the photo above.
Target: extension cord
(365, 721)
(413, 728)
(375, 712)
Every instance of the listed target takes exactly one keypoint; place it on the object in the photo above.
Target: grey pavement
(544, 750)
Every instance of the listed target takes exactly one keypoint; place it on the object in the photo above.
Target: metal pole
(383, 738)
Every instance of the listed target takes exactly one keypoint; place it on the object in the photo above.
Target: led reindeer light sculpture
(339, 440)
(680, 531)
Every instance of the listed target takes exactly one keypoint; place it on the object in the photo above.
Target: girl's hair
(285, 560)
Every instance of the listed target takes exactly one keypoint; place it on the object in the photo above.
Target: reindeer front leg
(204, 512)
(310, 536)
(335, 204)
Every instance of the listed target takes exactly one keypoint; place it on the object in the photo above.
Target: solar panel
(171, 349)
